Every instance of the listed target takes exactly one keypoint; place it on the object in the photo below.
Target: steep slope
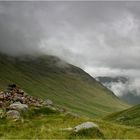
(65, 84)
(129, 116)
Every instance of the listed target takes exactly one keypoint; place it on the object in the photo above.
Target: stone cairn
(15, 94)
(14, 100)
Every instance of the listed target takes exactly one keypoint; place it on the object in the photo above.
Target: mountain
(122, 87)
(67, 85)
(129, 116)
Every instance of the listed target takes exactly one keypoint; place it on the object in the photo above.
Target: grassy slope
(67, 86)
(130, 116)
(51, 126)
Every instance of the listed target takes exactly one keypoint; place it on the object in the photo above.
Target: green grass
(87, 133)
(67, 86)
(47, 124)
(129, 116)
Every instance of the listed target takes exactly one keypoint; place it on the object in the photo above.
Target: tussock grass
(129, 116)
(87, 133)
(51, 125)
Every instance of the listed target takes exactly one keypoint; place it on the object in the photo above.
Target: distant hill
(67, 85)
(129, 116)
(121, 84)
(106, 79)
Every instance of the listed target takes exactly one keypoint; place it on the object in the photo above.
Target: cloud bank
(128, 90)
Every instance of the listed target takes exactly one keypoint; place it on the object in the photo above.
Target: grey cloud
(128, 91)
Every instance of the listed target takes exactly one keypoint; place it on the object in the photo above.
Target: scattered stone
(122, 118)
(85, 125)
(1, 103)
(15, 99)
(73, 115)
(13, 114)
(52, 108)
(36, 104)
(1, 113)
(62, 110)
(1, 96)
(66, 129)
(47, 102)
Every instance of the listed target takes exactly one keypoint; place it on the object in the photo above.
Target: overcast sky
(103, 38)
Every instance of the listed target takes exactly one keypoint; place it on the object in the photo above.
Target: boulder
(87, 130)
(1, 96)
(18, 98)
(18, 106)
(1, 113)
(13, 114)
(36, 104)
(1, 104)
(62, 110)
(48, 102)
(85, 125)
(20, 91)
(52, 108)
(122, 118)
(72, 115)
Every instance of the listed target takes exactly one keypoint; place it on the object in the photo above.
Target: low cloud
(125, 88)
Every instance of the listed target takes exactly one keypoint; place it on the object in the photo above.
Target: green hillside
(65, 84)
(129, 116)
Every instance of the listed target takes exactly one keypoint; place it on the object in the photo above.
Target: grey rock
(121, 118)
(1, 113)
(18, 106)
(66, 129)
(1, 104)
(36, 104)
(72, 114)
(13, 114)
(47, 102)
(1, 96)
(85, 125)
(52, 108)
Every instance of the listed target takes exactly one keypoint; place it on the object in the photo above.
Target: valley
(69, 87)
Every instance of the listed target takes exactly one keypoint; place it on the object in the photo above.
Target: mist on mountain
(125, 88)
